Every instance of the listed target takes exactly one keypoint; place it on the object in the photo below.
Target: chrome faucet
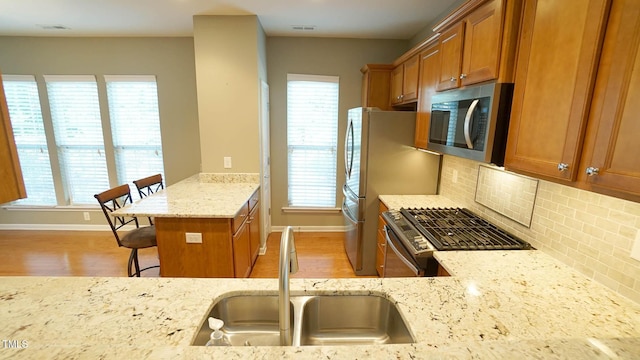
(288, 265)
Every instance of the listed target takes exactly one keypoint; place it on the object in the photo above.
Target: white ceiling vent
(303, 27)
(54, 27)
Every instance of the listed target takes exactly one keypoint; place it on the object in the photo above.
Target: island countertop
(540, 308)
(202, 195)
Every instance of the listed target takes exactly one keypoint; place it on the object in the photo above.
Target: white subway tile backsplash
(591, 232)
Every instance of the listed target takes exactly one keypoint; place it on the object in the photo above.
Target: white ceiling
(375, 19)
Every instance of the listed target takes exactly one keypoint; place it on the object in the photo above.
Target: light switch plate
(227, 162)
(454, 177)
(194, 238)
(635, 250)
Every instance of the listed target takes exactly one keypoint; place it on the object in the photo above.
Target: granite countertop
(496, 305)
(202, 195)
(540, 308)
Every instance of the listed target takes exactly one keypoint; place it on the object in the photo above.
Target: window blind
(135, 126)
(25, 113)
(312, 139)
(75, 112)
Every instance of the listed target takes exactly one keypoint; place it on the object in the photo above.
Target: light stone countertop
(539, 308)
(202, 195)
(496, 305)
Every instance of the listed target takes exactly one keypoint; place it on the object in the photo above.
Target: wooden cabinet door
(482, 43)
(612, 145)
(451, 57)
(12, 183)
(375, 85)
(254, 233)
(241, 252)
(410, 78)
(429, 71)
(396, 85)
(557, 59)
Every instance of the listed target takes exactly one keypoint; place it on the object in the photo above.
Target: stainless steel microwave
(471, 122)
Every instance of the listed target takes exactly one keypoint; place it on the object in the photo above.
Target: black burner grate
(460, 229)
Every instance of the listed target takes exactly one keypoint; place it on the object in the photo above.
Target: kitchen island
(540, 308)
(207, 225)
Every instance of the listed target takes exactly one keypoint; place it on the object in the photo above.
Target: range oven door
(399, 263)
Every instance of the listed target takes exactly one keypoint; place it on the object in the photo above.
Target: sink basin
(248, 320)
(352, 320)
(315, 320)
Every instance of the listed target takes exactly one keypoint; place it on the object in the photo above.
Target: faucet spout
(288, 265)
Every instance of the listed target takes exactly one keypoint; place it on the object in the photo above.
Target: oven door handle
(467, 123)
(402, 257)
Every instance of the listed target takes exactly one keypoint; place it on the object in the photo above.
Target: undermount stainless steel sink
(248, 320)
(252, 320)
(352, 320)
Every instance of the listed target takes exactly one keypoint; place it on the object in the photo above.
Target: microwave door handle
(402, 257)
(467, 123)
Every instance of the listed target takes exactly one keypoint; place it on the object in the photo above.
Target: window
(312, 139)
(28, 130)
(77, 149)
(135, 127)
(77, 125)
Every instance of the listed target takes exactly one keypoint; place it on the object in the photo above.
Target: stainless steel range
(414, 234)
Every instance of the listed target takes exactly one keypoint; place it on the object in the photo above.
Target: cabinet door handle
(591, 171)
(463, 76)
(563, 167)
(453, 79)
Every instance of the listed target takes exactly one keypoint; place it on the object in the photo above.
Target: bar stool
(138, 238)
(147, 186)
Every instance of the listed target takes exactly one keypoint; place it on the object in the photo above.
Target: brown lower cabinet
(228, 249)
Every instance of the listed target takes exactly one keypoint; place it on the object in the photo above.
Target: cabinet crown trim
(458, 14)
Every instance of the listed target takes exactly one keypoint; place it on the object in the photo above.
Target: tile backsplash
(590, 232)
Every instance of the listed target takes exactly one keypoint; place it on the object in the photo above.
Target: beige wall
(318, 56)
(170, 59)
(590, 232)
(228, 70)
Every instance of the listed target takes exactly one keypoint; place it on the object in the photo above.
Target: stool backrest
(149, 185)
(112, 200)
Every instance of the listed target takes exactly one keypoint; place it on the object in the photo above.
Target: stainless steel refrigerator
(380, 159)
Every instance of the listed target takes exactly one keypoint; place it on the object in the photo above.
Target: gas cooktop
(460, 229)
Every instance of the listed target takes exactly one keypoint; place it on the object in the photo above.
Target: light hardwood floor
(95, 253)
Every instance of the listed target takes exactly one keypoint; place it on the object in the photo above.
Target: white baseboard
(66, 227)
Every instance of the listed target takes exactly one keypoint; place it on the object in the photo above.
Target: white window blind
(25, 113)
(312, 139)
(75, 112)
(135, 126)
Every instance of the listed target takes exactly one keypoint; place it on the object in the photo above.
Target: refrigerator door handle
(348, 151)
(347, 213)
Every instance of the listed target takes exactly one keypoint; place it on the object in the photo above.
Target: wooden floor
(95, 253)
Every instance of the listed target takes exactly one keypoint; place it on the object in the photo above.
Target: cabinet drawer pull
(591, 171)
(563, 166)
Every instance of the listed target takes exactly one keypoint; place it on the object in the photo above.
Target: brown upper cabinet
(583, 130)
(471, 42)
(610, 163)
(429, 71)
(557, 63)
(404, 81)
(375, 85)
(12, 184)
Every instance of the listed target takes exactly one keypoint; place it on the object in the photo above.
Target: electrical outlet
(454, 178)
(86, 215)
(194, 238)
(635, 250)
(227, 162)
